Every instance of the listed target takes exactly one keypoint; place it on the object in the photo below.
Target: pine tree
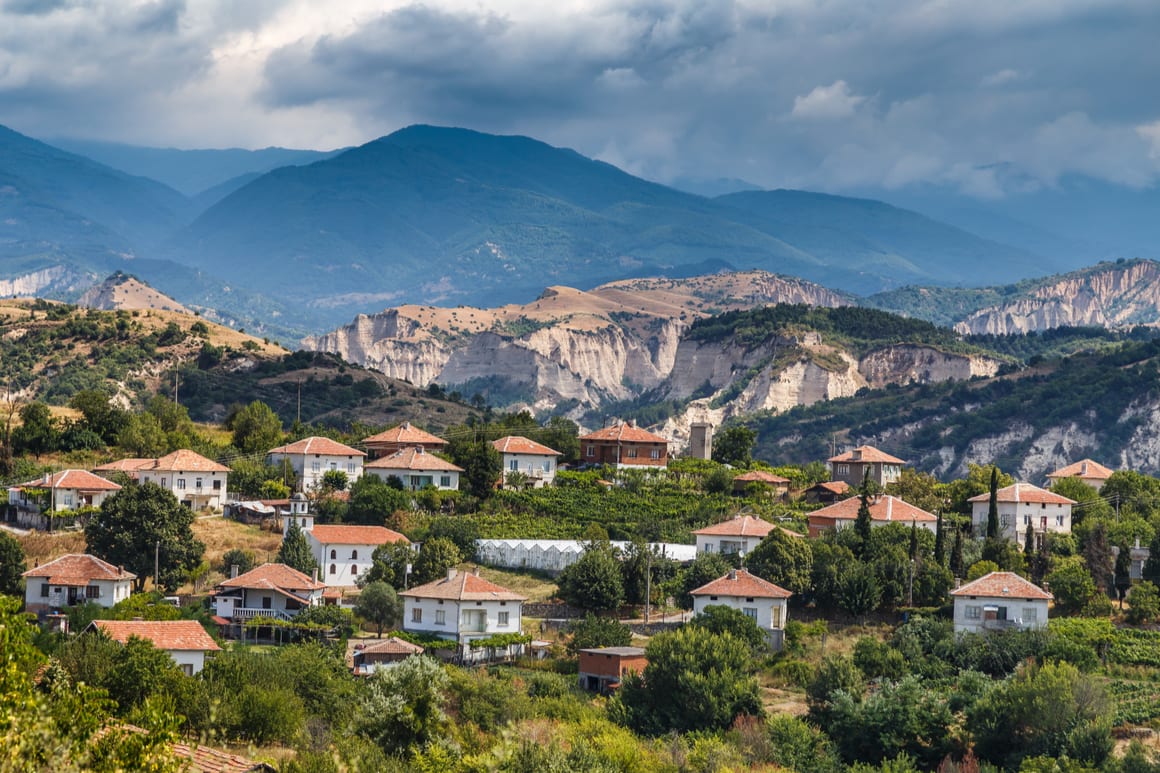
(940, 547)
(295, 550)
(993, 506)
(1152, 565)
(957, 554)
(863, 523)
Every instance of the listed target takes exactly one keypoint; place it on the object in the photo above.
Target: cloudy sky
(987, 96)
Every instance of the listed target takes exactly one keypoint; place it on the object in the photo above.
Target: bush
(1144, 601)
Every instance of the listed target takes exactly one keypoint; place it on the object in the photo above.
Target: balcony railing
(248, 613)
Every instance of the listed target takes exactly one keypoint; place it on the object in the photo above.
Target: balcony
(241, 614)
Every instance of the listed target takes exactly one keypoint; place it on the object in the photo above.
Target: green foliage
(138, 520)
(1071, 585)
(372, 500)
(593, 632)
(12, 565)
(783, 560)
(256, 428)
(721, 619)
(378, 604)
(734, 446)
(836, 675)
(242, 559)
(981, 569)
(594, 581)
(389, 564)
(295, 550)
(705, 568)
(1144, 601)
(877, 660)
(334, 480)
(401, 706)
(481, 463)
(799, 746)
(859, 592)
(904, 717)
(435, 557)
(38, 432)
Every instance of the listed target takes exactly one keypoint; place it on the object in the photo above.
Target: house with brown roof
(603, 668)
(403, 436)
(463, 607)
(759, 599)
(739, 534)
(343, 551)
(197, 482)
(854, 465)
(75, 579)
(1022, 506)
(624, 445)
(130, 466)
(383, 653)
(521, 456)
(269, 590)
(416, 469)
(1085, 471)
(776, 485)
(57, 492)
(826, 492)
(1000, 601)
(185, 640)
(884, 509)
(313, 457)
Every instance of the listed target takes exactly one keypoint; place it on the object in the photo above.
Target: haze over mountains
(290, 242)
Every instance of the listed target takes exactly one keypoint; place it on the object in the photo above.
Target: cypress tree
(863, 523)
(940, 548)
(295, 550)
(993, 505)
(913, 540)
(957, 554)
(1029, 542)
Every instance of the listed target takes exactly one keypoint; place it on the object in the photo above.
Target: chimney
(48, 478)
(475, 570)
(451, 573)
(1083, 469)
(315, 573)
(732, 574)
(233, 571)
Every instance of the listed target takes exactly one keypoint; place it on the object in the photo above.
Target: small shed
(601, 669)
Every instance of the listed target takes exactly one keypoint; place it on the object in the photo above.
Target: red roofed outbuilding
(624, 445)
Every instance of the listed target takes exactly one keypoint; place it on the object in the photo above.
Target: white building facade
(463, 607)
(1000, 601)
(416, 469)
(313, 457)
(767, 604)
(534, 461)
(197, 482)
(75, 579)
(1022, 505)
(740, 534)
(344, 553)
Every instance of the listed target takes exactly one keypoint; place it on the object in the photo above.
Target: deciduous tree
(379, 605)
(11, 565)
(256, 428)
(594, 581)
(784, 560)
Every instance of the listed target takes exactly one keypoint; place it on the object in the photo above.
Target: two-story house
(343, 551)
(1085, 471)
(624, 445)
(75, 579)
(759, 599)
(416, 469)
(185, 640)
(270, 590)
(739, 534)
(462, 607)
(853, 466)
(999, 601)
(1020, 506)
(884, 509)
(313, 457)
(403, 436)
(58, 492)
(535, 461)
(197, 482)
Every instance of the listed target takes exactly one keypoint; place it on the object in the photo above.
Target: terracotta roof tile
(187, 461)
(738, 526)
(1085, 468)
(78, 569)
(272, 576)
(1002, 585)
(124, 465)
(391, 646)
(742, 584)
(882, 508)
(413, 459)
(761, 476)
(320, 446)
(1024, 492)
(464, 586)
(165, 634)
(79, 480)
(514, 444)
(405, 434)
(866, 454)
(624, 432)
(835, 486)
(342, 534)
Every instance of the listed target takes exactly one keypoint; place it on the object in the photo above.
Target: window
(514, 465)
(590, 451)
(655, 453)
(350, 468)
(353, 569)
(334, 465)
(712, 598)
(1030, 615)
(1027, 520)
(68, 500)
(187, 669)
(333, 569)
(776, 617)
(547, 466)
(267, 602)
(440, 617)
(417, 615)
(1004, 522)
(315, 466)
(973, 612)
(630, 453)
(164, 482)
(502, 620)
(217, 485)
(354, 555)
(93, 592)
(750, 612)
(1059, 520)
(333, 554)
(181, 484)
(445, 481)
(44, 590)
(842, 469)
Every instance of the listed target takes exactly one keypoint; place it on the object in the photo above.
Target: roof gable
(76, 480)
(78, 569)
(185, 460)
(737, 526)
(866, 454)
(624, 432)
(515, 444)
(742, 584)
(271, 576)
(1085, 468)
(1002, 585)
(883, 508)
(406, 434)
(412, 459)
(319, 446)
(1024, 493)
(182, 635)
(463, 586)
(343, 534)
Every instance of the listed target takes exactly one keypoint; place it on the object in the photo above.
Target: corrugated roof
(514, 444)
(77, 480)
(414, 459)
(742, 584)
(185, 460)
(464, 586)
(78, 569)
(343, 534)
(1024, 492)
(405, 434)
(624, 652)
(1085, 468)
(882, 508)
(272, 576)
(866, 454)
(738, 526)
(1002, 585)
(625, 433)
(320, 446)
(165, 634)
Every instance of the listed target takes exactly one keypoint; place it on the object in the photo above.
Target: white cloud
(824, 102)
(1000, 78)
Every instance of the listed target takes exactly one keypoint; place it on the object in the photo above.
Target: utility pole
(157, 565)
(175, 376)
(298, 417)
(648, 585)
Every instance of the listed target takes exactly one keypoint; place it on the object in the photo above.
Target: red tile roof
(464, 586)
(165, 634)
(514, 444)
(123, 465)
(413, 459)
(761, 476)
(866, 454)
(342, 534)
(405, 434)
(1002, 585)
(78, 480)
(186, 461)
(835, 486)
(320, 446)
(882, 508)
(738, 526)
(1084, 468)
(1024, 492)
(391, 646)
(78, 569)
(625, 433)
(743, 584)
(272, 577)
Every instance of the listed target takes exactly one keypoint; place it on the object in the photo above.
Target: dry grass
(41, 547)
(535, 587)
(221, 535)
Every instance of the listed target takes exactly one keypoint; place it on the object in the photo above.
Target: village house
(55, 493)
(826, 492)
(521, 456)
(853, 466)
(75, 579)
(1020, 506)
(383, 653)
(129, 466)
(400, 437)
(342, 550)
(270, 590)
(1085, 471)
(313, 457)
(463, 607)
(197, 482)
(776, 485)
(1000, 601)
(739, 534)
(185, 640)
(759, 599)
(884, 509)
(624, 445)
(603, 668)
(416, 469)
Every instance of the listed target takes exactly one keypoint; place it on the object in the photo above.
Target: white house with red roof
(270, 590)
(417, 469)
(344, 551)
(853, 465)
(624, 445)
(527, 457)
(185, 640)
(196, 481)
(403, 436)
(739, 534)
(999, 601)
(313, 457)
(1086, 471)
(766, 603)
(884, 509)
(57, 492)
(462, 607)
(1022, 505)
(75, 579)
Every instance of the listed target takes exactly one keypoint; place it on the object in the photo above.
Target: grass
(41, 547)
(221, 535)
(534, 586)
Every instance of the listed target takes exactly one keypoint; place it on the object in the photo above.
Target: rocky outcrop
(121, 291)
(35, 282)
(907, 363)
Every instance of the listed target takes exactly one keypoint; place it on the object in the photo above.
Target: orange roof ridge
(354, 534)
(741, 583)
(322, 446)
(463, 586)
(1002, 585)
(165, 634)
(868, 454)
(518, 444)
(412, 459)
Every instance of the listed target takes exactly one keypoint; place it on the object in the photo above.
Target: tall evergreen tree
(1151, 571)
(913, 552)
(940, 546)
(295, 550)
(957, 554)
(993, 506)
(863, 523)
(1097, 555)
(1029, 542)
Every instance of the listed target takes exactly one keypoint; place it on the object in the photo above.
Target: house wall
(189, 661)
(455, 623)
(340, 564)
(608, 665)
(541, 469)
(64, 499)
(413, 480)
(715, 543)
(311, 467)
(1015, 516)
(624, 454)
(109, 593)
(819, 525)
(853, 472)
(770, 614)
(966, 621)
(197, 489)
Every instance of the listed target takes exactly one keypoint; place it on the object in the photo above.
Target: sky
(987, 97)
